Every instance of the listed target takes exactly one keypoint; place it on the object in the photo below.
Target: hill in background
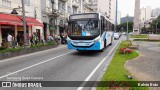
(124, 19)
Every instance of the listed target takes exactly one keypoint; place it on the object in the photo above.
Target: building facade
(13, 23)
(46, 17)
(145, 13)
(145, 17)
(155, 13)
(107, 7)
(55, 19)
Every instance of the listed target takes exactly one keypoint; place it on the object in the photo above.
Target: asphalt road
(58, 64)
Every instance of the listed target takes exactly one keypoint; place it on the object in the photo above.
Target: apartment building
(107, 7)
(155, 12)
(145, 16)
(145, 13)
(87, 6)
(55, 19)
(11, 18)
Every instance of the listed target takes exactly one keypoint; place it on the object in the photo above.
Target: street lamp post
(24, 24)
(156, 27)
(127, 25)
(116, 16)
(52, 1)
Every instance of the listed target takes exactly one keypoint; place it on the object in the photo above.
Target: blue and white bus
(89, 31)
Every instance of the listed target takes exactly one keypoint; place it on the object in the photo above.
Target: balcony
(56, 13)
(63, 0)
(75, 4)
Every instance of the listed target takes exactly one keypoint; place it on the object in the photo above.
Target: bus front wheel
(111, 41)
(103, 47)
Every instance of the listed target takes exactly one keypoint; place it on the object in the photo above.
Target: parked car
(124, 33)
(130, 33)
(116, 36)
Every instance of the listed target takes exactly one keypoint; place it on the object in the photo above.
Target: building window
(74, 10)
(6, 3)
(61, 7)
(69, 9)
(27, 2)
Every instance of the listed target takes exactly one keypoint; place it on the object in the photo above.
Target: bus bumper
(95, 46)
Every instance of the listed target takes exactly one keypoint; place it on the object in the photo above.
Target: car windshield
(87, 27)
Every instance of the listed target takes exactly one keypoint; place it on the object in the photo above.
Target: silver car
(116, 36)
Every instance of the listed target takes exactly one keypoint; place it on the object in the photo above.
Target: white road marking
(34, 65)
(92, 73)
(18, 57)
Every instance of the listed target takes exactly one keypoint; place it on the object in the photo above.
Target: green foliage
(124, 27)
(11, 49)
(116, 70)
(147, 40)
(38, 45)
(50, 43)
(155, 23)
(138, 36)
(4, 49)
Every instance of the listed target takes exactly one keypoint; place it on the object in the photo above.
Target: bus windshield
(87, 27)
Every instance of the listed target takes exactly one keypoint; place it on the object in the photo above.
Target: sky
(127, 6)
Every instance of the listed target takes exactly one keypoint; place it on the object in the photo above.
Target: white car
(124, 33)
(116, 36)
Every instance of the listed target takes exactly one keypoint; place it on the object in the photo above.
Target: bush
(11, 49)
(49, 43)
(38, 45)
(2, 48)
(125, 50)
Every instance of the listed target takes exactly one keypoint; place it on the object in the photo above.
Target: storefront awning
(33, 22)
(10, 19)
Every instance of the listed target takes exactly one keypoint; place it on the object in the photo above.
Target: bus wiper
(87, 24)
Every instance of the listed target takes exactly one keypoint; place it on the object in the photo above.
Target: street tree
(155, 24)
(123, 27)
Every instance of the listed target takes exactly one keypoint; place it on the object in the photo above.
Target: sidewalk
(147, 66)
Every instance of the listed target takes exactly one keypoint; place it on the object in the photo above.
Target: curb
(105, 68)
(8, 55)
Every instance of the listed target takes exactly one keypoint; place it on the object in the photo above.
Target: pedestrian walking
(14, 41)
(18, 39)
(35, 39)
(9, 39)
(42, 38)
(50, 38)
(31, 40)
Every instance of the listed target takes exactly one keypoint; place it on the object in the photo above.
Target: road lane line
(35, 65)
(92, 73)
(25, 55)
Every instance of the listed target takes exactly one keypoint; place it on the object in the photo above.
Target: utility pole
(24, 25)
(52, 1)
(127, 25)
(116, 16)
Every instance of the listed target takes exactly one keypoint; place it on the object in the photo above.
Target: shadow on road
(87, 53)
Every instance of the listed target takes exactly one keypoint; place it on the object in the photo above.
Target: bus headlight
(68, 39)
(96, 39)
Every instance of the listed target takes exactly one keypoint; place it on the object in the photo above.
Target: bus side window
(102, 24)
